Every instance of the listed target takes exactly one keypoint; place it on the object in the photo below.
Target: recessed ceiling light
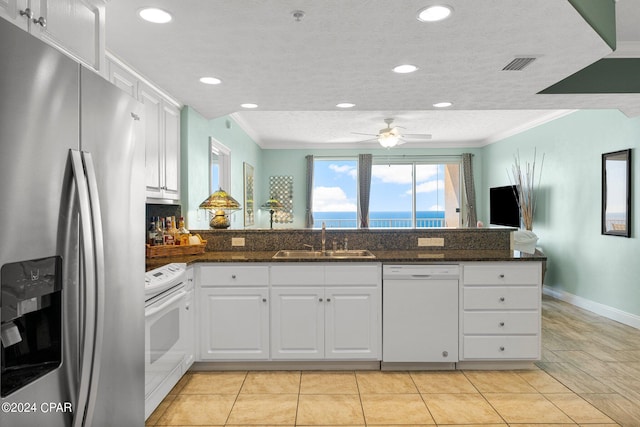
(249, 105)
(210, 80)
(442, 104)
(155, 15)
(434, 13)
(405, 68)
(345, 105)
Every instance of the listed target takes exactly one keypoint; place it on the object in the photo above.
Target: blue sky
(335, 187)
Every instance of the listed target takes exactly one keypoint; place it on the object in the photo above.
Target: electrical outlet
(237, 241)
(431, 241)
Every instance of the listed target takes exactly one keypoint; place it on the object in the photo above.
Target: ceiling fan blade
(367, 140)
(366, 134)
(416, 135)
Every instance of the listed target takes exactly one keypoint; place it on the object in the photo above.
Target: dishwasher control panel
(420, 271)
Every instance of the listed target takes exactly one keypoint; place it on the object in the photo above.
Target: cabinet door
(74, 26)
(234, 324)
(297, 323)
(171, 167)
(122, 78)
(10, 10)
(352, 323)
(153, 149)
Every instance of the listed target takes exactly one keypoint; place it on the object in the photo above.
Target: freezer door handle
(93, 284)
(98, 246)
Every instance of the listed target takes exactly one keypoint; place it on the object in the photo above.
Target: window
(335, 193)
(416, 193)
(219, 166)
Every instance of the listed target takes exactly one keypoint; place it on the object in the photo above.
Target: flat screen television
(503, 206)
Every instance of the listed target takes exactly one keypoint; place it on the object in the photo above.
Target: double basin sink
(308, 254)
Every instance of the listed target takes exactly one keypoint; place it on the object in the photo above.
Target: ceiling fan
(391, 136)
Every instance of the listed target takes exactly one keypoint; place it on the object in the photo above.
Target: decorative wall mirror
(616, 193)
(219, 166)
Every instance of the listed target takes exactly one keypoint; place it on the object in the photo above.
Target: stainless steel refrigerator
(71, 242)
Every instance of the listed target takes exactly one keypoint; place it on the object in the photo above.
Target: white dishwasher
(420, 314)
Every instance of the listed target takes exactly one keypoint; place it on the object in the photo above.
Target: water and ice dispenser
(31, 328)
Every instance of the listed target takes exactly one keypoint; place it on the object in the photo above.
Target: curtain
(470, 189)
(364, 187)
(308, 217)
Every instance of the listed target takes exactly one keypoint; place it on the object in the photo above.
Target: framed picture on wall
(248, 194)
(616, 193)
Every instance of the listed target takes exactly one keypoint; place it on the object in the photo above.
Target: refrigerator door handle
(88, 282)
(98, 242)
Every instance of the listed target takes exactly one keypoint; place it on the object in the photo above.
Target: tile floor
(589, 376)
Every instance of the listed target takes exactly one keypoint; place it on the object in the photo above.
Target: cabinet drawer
(295, 275)
(513, 273)
(350, 274)
(501, 298)
(234, 275)
(502, 347)
(501, 323)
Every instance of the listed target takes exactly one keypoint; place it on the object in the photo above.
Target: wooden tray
(175, 250)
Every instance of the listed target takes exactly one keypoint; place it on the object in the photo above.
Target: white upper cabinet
(162, 131)
(76, 27)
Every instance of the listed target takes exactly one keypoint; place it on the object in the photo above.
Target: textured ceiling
(344, 51)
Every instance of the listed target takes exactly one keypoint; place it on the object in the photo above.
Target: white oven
(166, 291)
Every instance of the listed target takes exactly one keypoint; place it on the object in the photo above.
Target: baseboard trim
(612, 313)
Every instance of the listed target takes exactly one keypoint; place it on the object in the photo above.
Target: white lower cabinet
(500, 311)
(234, 312)
(325, 323)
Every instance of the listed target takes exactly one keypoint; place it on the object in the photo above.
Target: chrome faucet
(324, 238)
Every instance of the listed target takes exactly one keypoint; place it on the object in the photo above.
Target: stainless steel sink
(307, 254)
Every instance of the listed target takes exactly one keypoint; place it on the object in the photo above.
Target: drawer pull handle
(233, 276)
(501, 276)
(320, 299)
(445, 354)
(501, 348)
(328, 299)
(501, 323)
(264, 300)
(501, 299)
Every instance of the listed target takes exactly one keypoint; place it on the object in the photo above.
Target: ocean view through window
(416, 194)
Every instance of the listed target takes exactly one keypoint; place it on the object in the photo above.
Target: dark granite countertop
(409, 256)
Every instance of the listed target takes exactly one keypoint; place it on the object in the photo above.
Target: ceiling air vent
(518, 63)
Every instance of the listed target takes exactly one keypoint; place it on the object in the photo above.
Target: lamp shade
(271, 204)
(220, 200)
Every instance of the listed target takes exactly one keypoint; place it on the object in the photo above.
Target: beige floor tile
(180, 384)
(442, 382)
(542, 425)
(395, 409)
(371, 382)
(329, 409)
(499, 382)
(201, 410)
(485, 425)
(277, 409)
(157, 413)
(460, 409)
(543, 382)
(526, 408)
(617, 407)
(260, 382)
(328, 383)
(214, 383)
(578, 409)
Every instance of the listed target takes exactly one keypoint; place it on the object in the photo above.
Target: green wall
(582, 262)
(196, 132)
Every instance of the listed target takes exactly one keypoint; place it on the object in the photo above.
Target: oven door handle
(153, 310)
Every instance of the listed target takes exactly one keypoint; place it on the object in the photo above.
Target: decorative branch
(524, 180)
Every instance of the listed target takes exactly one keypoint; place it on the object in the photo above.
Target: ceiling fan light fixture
(249, 105)
(434, 13)
(345, 105)
(155, 15)
(444, 104)
(388, 139)
(210, 80)
(405, 69)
